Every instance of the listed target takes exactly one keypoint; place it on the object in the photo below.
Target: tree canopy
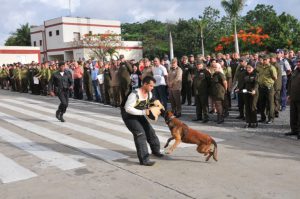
(20, 38)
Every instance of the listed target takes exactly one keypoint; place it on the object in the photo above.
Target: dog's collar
(170, 119)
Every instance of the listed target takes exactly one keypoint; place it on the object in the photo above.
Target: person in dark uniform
(60, 84)
(87, 81)
(239, 78)
(124, 73)
(133, 112)
(218, 90)
(107, 84)
(250, 92)
(187, 72)
(201, 83)
(294, 98)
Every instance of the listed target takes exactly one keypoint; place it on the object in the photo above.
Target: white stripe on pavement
(72, 125)
(118, 119)
(10, 171)
(85, 147)
(49, 156)
(111, 126)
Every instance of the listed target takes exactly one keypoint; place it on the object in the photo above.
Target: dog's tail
(215, 151)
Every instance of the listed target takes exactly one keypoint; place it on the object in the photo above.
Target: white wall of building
(13, 54)
(60, 45)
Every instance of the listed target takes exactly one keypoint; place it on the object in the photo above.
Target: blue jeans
(96, 90)
(283, 94)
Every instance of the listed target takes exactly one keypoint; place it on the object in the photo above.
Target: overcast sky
(17, 12)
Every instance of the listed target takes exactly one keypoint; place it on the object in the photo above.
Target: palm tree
(21, 37)
(232, 8)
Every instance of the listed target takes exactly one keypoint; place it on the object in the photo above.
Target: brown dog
(182, 133)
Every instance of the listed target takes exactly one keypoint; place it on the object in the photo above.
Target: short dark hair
(148, 79)
(61, 64)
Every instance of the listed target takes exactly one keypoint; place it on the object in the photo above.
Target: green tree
(20, 38)
(233, 8)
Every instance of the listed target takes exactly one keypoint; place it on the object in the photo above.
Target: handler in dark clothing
(133, 114)
(60, 84)
(250, 91)
(294, 98)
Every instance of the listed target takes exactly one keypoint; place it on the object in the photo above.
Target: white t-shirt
(158, 73)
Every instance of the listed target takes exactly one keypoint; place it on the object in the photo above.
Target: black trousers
(241, 104)
(250, 108)
(142, 133)
(201, 106)
(78, 92)
(186, 92)
(295, 116)
(266, 102)
(63, 96)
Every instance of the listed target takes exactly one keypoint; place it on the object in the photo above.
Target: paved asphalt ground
(92, 155)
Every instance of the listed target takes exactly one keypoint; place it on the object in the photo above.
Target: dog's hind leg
(169, 140)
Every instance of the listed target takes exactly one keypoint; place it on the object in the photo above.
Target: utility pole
(70, 8)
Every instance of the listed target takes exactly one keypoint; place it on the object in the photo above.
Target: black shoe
(61, 118)
(189, 104)
(298, 136)
(158, 154)
(197, 119)
(276, 115)
(261, 121)
(291, 133)
(205, 121)
(239, 117)
(269, 121)
(194, 105)
(254, 125)
(57, 115)
(148, 163)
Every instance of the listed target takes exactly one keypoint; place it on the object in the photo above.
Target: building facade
(56, 38)
(23, 54)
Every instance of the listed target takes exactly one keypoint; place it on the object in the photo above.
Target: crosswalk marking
(111, 126)
(85, 147)
(77, 128)
(49, 156)
(119, 120)
(10, 171)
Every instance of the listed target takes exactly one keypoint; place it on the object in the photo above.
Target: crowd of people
(261, 83)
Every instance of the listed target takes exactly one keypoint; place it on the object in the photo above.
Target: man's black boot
(62, 118)
(57, 114)
(148, 163)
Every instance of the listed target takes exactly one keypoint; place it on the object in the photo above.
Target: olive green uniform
(201, 84)
(277, 89)
(266, 80)
(124, 73)
(218, 93)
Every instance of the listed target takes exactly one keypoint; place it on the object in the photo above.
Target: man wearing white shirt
(133, 114)
(160, 74)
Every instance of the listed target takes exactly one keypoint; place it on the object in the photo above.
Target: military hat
(199, 62)
(121, 57)
(273, 55)
(279, 51)
(266, 56)
(242, 59)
